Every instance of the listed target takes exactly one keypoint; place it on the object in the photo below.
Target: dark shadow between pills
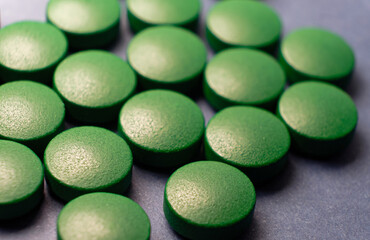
(119, 39)
(71, 123)
(52, 195)
(167, 170)
(278, 182)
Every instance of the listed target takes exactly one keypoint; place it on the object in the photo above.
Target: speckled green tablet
(103, 216)
(94, 85)
(162, 127)
(317, 54)
(251, 139)
(167, 57)
(87, 159)
(21, 180)
(147, 13)
(30, 113)
(249, 24)
(209, 200)
(243, 77)
(86, 23)
(320, 117)
(30, 50)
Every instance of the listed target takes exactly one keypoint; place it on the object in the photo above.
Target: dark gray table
(311, 199)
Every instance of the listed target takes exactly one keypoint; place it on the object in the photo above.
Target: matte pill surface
(243, 77)
(320, 117)
(30, 113)
(243, 24)
(209, 200)
(251, 139)
(86, 23)
(94, 85)
(163, 128)
(147, 13)
(167, 57)
(21, 180)
(103, 216)
(30, 50)
(87, 159)
(317, 54)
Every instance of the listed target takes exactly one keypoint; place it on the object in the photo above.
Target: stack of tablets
(159, 125)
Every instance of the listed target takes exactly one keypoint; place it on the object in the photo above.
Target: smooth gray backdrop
(311, 199)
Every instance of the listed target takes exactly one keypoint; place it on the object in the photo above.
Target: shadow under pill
(252, 232)
(348, 155)
(22, 222)
(355, 85)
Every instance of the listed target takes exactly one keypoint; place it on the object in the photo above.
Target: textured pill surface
(243, 24)
(251, 139)
(146, 13)
(209, 200)
(21, 180)
(87, 23)
(167, 57)
(30, 50)
(103, 216)
(87, 159)
(321, 117)
(30, 113)
(317, 54)
(94, 85)
(162, 127)
(243, 77)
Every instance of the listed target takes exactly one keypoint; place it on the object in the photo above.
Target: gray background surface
(310, 199)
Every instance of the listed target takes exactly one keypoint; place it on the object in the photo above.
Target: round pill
(209, 200)
(21, 180)
(317, 54)
(30, 113)
(251, 139)
(320, 117)
(249, 24)
(163, 128)
(87, 159)
(147, 13)
(103, 216)
(94, 85)
(243, 77)
(30, 50)
(86, 23)
(167, 57)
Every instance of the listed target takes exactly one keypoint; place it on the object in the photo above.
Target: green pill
(251, 139)
(209, 200)
(317, 54)
(248, 24)
(148, 13)
(21, 180)
(243, 77)
(167, 57)
(321, 118)
(162, 127)
(103, 216)
(86, 23)
(94, 85)
(87, 159)
(30, 113)
(30, 50)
